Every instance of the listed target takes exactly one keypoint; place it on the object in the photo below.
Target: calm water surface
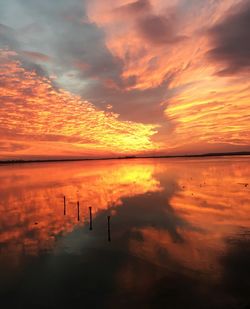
(179, 228)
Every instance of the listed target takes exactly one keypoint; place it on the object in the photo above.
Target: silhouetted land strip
(220, 154)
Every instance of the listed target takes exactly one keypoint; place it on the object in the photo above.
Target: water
(179, 231)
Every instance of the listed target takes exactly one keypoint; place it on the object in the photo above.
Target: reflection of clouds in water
(169, 248)
(186, 228)
(209, 205)
(35, 194)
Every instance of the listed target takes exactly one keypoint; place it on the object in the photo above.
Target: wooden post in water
(78, 211)
(64, 203)
(109, 238)
(90, 218)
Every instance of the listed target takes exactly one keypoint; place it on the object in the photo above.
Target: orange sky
(106, 78)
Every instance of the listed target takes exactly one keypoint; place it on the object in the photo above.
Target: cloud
(148, 59)
(36, 56)
(137, 104)
(7, 37)
(231, 39)
(158, 29)
(33, 111)
(145, 37)
(31, 60)
(12, 147)
(62, 33)
(84, 63)
(217, 115)
(134, 8)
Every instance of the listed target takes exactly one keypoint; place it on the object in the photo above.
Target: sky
(94, 78)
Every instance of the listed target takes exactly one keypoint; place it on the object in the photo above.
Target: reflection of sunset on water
(176, 224)
(183, 210)
(32, 198)
(212, 197)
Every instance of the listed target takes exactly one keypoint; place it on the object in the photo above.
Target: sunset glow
(124, 154)
(196, 214)
(116, 78)
(36, 200)
(37, 119)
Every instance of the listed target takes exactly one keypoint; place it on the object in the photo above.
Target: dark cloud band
(231, 38)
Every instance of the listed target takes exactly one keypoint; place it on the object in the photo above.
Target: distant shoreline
(220, 154)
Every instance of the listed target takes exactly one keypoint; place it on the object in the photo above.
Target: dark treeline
(219, 154)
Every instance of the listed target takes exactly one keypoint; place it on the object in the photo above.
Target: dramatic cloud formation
(172, 74)
(232, 40)
(52, 121)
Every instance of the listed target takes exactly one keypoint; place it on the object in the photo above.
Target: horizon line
(212, 154)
